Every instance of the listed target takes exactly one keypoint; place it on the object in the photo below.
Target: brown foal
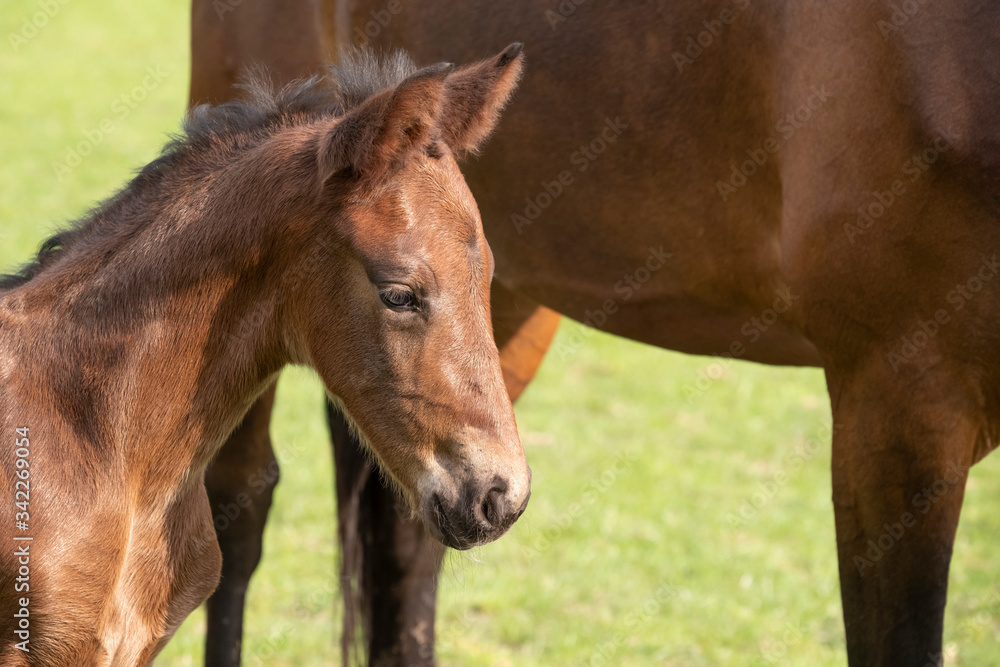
(325, 224)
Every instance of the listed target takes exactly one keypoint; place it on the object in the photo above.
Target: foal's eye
(398, 297)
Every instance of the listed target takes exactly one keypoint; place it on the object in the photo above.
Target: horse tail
(353, 471)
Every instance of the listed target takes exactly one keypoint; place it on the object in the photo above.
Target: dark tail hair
(353, 472)
(389, 565)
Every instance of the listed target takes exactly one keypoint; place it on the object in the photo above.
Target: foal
(326, 224)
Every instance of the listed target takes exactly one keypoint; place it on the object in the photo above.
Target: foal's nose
(481, 513)
(495, 509)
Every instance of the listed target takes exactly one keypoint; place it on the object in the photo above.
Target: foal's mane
(230, 127)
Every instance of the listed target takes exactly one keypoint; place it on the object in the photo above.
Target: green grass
(627, 554)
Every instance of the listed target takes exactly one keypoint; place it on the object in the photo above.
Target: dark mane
(238, 125)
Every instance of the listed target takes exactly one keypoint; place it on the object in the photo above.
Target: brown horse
(325, 224)
(826, 180)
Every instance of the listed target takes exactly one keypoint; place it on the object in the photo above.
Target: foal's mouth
(446, 529)
(444, 526)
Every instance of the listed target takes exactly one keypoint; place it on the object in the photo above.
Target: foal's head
(397, 322)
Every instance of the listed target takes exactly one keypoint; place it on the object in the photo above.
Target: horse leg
(902, 447)
(240, 482)
(389, 564)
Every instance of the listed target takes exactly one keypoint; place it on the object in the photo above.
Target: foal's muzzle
(481, 513)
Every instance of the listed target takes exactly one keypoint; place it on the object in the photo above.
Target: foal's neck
(175, 324)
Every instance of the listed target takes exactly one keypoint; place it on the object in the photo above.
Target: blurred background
(680, 512)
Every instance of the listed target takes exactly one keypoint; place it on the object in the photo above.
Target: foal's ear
(371, 138)
(474, 96)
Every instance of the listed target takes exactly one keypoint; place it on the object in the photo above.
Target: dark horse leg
(389, 564)
(240, 482)
(902, 447)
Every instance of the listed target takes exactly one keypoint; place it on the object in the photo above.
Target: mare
(838, 160)
(324, 224)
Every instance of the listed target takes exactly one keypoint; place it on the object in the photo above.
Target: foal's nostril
(492, 507)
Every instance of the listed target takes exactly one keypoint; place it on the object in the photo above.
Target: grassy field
(632, 551)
